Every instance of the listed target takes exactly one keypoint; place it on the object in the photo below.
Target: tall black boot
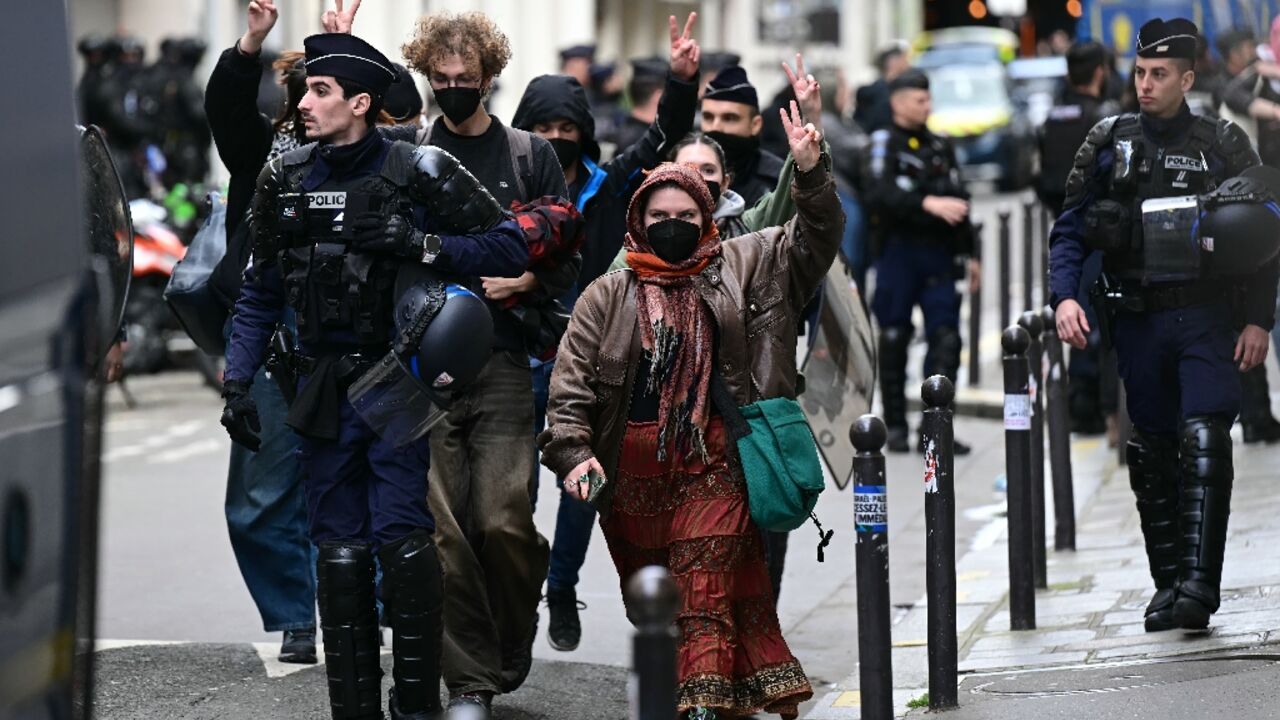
(893, 384)
(1153, 475)
(943, 358)
(412, 598)
(349, 619)
(1205, 506)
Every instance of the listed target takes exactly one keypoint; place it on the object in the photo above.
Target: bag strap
(520, 143)
(734, 423)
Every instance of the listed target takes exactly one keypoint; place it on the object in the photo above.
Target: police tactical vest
(1064, 131)
(331, 288)
(1144, 170)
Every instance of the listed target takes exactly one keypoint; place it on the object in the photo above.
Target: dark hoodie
(603, 192)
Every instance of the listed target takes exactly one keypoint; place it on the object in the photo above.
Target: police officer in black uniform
(1093, 394)
(337, 225)
(919, 219)
(1173, 328)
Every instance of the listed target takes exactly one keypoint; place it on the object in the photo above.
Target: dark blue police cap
(578, 51)
(731, 85)
(1175, 38)
(349, 58)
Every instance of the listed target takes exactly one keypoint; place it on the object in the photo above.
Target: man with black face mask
(555, 107)
(731, 117)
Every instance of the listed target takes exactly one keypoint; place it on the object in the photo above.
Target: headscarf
(677, 329)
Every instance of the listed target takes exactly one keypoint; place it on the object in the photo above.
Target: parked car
(973, 105)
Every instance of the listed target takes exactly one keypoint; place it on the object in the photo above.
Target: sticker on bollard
(870, 510)
(930, 468)
(1017, 412)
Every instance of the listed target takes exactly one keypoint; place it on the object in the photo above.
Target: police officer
(919, 217)
(1079, 108)
(1173, 330)
(337, 225)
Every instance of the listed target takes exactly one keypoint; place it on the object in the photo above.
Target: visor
(394, 403)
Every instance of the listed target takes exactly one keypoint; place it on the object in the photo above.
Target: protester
(670, 495)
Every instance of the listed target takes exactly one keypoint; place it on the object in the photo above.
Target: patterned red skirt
(693, 519)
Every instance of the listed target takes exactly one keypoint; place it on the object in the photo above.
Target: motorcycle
(155, 338)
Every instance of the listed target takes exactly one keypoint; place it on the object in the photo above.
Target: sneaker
(299, 647)
(1267, 431)
(517, 664)
(469, 707)
(565, 629)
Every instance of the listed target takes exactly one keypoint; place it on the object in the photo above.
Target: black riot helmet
(444, 333)
(1240, 222)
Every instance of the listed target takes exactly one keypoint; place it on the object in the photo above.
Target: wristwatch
(430, 248)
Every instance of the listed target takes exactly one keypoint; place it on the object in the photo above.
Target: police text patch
(327, 200)
(1182, 162)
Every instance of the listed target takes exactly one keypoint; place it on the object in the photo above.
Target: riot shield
(109, 232)
(839, 372)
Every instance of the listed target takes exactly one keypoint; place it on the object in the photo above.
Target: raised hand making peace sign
(340, 20)
(805, 140)
(685, 53)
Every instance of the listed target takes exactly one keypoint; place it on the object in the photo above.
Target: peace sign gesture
(262, 17)
(807, 92)
(685, 53)
(339, 20)
(805, 140)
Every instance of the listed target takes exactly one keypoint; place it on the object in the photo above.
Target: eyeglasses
(441, 82)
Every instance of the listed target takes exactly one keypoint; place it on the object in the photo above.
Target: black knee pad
(944, 352)
(411, 573)
(1206, 451)
(345, 573)
(1153, 465)
(413, 595)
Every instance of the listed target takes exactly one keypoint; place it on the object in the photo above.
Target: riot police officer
(1131, 197)
(919, 218)
(339, 227)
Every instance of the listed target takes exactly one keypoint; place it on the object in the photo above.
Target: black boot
(893, 385)
(349, 619)
(1259, 425)
(412, 597)
(1205, 505)
(1153, 475)
(564, 632)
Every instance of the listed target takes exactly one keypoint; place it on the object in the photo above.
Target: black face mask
(567, 151)
(739, 152)
(458, 103)
(714, 187)
(673, 239)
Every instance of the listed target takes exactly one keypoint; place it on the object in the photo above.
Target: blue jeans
(267, 518)
(574, 518)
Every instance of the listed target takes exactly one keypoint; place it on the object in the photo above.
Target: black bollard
(1028, 254)
(940, 539)
(1017, 456)
(870, 512)
(1057, 415)
(652, 602)
(1046, 227)
(1006, 307)
(1031, 322)
(975, 315)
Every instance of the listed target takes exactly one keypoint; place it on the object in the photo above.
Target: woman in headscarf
(632, 404)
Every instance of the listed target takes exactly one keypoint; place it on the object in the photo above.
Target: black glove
(240, 416)
(374, 232)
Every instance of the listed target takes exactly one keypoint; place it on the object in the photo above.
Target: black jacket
(759, 178)
(603, 193)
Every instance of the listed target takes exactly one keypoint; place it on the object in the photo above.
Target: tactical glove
(376, 233)
(240, 416)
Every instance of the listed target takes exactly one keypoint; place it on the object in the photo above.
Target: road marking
(200, 447)
(848, 699)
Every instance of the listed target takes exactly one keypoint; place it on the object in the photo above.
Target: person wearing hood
(632, 405)
(731, 117)
(555, 107)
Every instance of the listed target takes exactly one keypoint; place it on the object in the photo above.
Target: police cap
(586, 52)
(1175, 38)
(652, 67)
(349, 58)
(402, 101)
(731, 85)
(912, 79)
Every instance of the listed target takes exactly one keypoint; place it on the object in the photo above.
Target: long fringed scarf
(677, 329)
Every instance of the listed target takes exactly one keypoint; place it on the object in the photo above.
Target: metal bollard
(652, 602)
(1006, 308)
(1031, 322)
(975, 315)
(870, 512)
(940, 540)
(1057, 415)
(1028, 254)
(1017, 456)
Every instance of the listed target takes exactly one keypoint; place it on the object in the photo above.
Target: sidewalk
(1089, 656)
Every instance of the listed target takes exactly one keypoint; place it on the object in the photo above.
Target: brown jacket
(756, 290)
